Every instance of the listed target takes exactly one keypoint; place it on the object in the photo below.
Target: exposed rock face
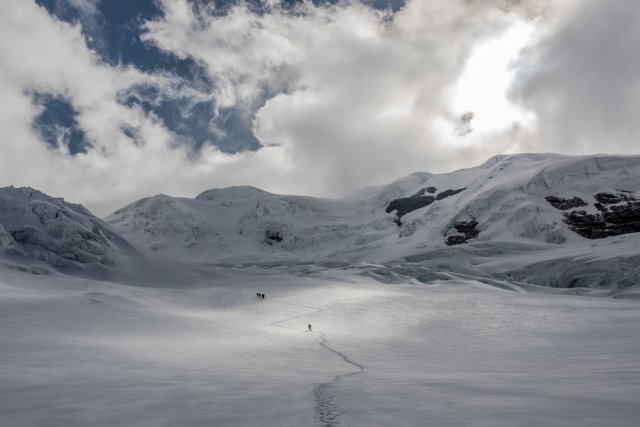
(565, 204)
(465, 230)
(274, 237)
(619, 214)
(419, 200)
(612, 199)
(448, 193)
(405, 205)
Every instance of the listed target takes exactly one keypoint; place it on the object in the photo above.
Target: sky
(105, 102)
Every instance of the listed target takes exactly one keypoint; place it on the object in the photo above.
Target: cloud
(464, 127)
(85, 12)
(581, 80)
(358, 91)
(339, 97)
(43, 57)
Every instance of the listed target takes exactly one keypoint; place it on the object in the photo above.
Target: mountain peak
(232, 193)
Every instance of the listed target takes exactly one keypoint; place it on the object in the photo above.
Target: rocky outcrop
(565, 204)
(405, 205)
(618, 214)
(275, 237)
(462, 231)
(449, 193)
(419, 200)
(612, 199)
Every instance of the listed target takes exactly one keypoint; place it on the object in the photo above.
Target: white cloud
(483, 86)
(364, 89)
(41, 54)
(362, 97)
(581, 80)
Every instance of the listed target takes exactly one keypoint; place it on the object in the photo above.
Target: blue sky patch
(57, 125)
(112, 28)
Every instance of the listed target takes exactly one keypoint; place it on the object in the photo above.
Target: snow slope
(491, 212)
(544, 219)
(76, 352)
(244, 224)
(37, 227)
(422, 295)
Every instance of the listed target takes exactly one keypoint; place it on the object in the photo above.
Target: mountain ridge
(556, 208)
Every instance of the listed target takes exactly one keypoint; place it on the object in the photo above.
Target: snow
(75, 352)
(55, 232)
(150, 317)
(505, 195)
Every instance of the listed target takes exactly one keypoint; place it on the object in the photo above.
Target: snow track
(326, 411)
(288, 319)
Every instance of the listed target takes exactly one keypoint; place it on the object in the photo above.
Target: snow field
(448, 353)
(486, 357)
(101, 354)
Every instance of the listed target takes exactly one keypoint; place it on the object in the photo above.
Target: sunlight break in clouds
(488, 75)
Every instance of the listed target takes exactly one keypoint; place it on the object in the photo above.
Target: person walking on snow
(309, 327)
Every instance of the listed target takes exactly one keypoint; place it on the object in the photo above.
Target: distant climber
(262, 296)
(309, 326)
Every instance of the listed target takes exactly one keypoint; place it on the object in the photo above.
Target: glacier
(504, 294)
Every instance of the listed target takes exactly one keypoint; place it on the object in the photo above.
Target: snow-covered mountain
(554, 220)
(418, 291)
(546, 206)
(52, 232)
(245, 224)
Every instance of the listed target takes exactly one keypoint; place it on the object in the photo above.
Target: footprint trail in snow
(326, 411)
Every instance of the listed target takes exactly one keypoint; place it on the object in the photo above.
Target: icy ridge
(536, 217)
(57, 233)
